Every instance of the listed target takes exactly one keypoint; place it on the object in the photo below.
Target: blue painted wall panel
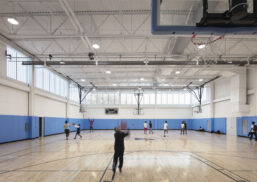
(13, 128)
(249, 122)
(56, 125)
(220, 124)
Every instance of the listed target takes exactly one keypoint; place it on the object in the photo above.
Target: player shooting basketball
(119, 146)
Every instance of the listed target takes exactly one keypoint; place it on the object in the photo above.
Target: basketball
(123, 125)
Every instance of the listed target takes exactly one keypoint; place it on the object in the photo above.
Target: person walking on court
(182, 130)
(119, 148)
(145, 127)
(67, 129)
(185, 124)
(78, 130)
(253, 131)
(91, 122)
(165, 128)
(150, 127)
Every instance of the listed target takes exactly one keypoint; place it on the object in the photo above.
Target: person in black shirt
(119, 148)
(78, 130)
(150, 127)
(253, 131)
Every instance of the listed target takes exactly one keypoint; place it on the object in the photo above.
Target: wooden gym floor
(196, 157)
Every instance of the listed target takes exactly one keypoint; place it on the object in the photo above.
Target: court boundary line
(106, 169)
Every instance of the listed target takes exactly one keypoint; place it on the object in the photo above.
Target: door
(41, 127)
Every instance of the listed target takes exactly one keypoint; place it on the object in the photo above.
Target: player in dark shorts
(78, 130)
(91, 122)
(150, 127)
(67, 129)
(119, 148)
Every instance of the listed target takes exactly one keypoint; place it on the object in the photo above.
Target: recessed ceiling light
(201, 46)
(82, 80)
(177, 72)
(139, 88)
(114, 84)
(13, 21)
(62, 62)
(185, 89)
(200, 80)
(96, 46)
(94, 89)
(108, 72)
(142, 79)
(230, 62)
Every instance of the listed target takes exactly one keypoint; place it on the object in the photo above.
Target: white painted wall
(48, 107)
(162, 112)
(73, 111)
(222, 88)
(13, 101)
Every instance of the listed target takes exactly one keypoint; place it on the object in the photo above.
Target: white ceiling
(123, 30)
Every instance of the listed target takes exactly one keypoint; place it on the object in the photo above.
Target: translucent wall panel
(15, 69)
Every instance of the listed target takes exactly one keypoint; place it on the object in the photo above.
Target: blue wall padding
(220, 124)
(136, 124)
(13, 128)
(249, 122)
(56, 125)
(215, 124)
(34, 126)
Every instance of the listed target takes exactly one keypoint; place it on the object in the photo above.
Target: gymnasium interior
(103, 64)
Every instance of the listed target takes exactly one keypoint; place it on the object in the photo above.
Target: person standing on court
(185, 124)
(78, 130)
(165, 128)
(119, 148)
(150, 127)
(145, 127)
(253, 131)
(91, 122)
(182, 130)
(67, 129)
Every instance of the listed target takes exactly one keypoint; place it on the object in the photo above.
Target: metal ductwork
(138, 63)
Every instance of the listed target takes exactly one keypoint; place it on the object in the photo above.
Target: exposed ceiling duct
(136, 63)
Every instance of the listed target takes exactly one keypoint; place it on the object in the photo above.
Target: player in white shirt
(182, 130)
(67, 129)
(165, 128)
(145, 127)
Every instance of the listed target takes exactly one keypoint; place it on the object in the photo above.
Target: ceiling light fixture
(94, 89)
(108, 72)
(13, 21)
(201, 46)
(177, 72)
(82, 80)
(142, 79)
(200, 80)
(114, 84)
(62, 62)
(230, 62)
(96, 46)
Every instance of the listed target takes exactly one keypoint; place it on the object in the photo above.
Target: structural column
(3, 62)
(238, 96)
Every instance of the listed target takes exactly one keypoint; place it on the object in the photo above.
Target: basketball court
(166, 87)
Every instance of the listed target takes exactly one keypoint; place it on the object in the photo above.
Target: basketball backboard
(184, 16)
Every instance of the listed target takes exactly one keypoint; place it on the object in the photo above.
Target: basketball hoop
(82, 108)
(193, 40)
